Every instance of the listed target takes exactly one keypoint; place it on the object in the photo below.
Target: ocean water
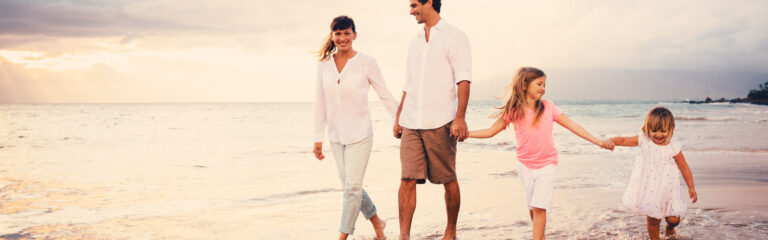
(246, 171)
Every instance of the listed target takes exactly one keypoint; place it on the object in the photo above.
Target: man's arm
(459, 126)
(397, 130)
(460, 56)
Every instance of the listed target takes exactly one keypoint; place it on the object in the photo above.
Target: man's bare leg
(406, 199)
(452, 205)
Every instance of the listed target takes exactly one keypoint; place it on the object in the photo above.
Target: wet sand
(586, 204)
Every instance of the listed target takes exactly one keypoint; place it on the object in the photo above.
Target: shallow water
(245, 171)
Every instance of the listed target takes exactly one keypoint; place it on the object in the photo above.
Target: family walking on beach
(430, 119)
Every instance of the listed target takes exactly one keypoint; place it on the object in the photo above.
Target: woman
(344, 77)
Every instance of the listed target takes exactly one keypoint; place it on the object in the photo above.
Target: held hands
(692, 193)
(318, 150)
(607, 144)
(459, 129)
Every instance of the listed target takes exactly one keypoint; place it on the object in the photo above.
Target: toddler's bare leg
(672, 222)
(653, 227)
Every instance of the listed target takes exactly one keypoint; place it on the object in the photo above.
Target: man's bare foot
(449, 236)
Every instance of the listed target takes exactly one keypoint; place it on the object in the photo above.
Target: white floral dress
(654, 188)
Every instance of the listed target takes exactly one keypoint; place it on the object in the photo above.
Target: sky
(84, 51)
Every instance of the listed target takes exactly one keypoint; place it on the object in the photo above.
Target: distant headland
(755, 96)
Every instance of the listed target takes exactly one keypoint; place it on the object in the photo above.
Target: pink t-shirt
(535, 144)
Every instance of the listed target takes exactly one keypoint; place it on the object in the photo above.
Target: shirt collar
(439, 26)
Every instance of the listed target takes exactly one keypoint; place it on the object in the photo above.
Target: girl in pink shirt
(532, 118)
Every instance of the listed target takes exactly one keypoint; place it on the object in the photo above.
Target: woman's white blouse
(341, 101)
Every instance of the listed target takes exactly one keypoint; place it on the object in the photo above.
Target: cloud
(190, 75)
(125, 17)
(64, 19)
(19, 84)
(645, 35)
(606, 84)
(237, 50)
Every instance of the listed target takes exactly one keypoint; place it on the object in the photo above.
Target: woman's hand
(692, 193)
(318, 150)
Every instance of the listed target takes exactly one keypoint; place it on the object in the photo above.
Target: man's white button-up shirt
(433, 69)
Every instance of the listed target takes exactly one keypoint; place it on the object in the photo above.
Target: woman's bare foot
(343, 236)
(378, 226)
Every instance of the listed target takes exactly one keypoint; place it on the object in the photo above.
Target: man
(431, 119)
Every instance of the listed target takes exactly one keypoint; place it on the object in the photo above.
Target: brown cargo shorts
(428, 154)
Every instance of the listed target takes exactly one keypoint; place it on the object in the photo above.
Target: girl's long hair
(659, 118)
(339, 23)
(515, 98)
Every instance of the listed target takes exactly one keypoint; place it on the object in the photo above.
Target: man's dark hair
(435, 4)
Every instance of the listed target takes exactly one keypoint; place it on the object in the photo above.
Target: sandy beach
(163, 172)
(492, 204)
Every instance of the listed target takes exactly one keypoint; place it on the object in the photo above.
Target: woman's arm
(687, 176)
(320, 120)
(625, 141)
(376, 80)
(581, 132)
(497, 126)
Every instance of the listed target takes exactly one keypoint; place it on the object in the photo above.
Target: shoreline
(492, 203)
(732, 101)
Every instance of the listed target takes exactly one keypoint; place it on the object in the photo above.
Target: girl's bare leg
(539, 223)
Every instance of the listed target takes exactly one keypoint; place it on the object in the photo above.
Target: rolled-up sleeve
(320, 115)
(460, 57)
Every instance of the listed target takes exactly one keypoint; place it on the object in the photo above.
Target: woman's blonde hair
(515, 98)
(659, 118)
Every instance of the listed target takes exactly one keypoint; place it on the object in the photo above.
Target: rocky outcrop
(755, 96)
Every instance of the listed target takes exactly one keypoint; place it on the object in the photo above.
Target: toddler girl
(654, 187)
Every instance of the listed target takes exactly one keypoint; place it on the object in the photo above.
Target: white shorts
(538, 185)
